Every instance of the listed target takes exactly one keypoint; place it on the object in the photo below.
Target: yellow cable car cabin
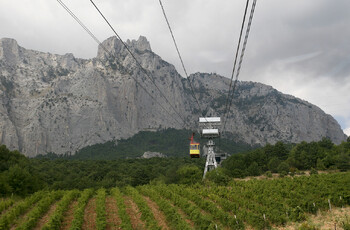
(194, 148)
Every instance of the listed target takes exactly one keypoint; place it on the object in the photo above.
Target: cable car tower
(209, 129)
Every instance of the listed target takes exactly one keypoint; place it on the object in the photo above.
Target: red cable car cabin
(194, 148)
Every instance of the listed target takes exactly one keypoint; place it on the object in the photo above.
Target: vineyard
(253, 204)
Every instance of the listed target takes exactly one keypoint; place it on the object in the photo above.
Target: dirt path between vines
(112, 218)
(43, 220)
(183, 215)
(158, 215)
(134, 213)
(19, 220)
(68, 216)
(90, 215)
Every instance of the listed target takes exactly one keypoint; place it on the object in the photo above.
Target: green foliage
(146, 213)
(283, 168)
(345, 224)
(171, 213)
(202, 221)
(126, 223)
(16, 174)
(79, 209)
(268, 174)
(281, 158)
(77, 174)
(7, 220)
(171, 142)
(189, 174)
(313, 171)
(40, 208)
(261, 204)
(307, 226)
(218, 176)
(101, 209)
(56, 218)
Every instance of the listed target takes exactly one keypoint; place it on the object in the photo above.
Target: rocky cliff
(59, 103)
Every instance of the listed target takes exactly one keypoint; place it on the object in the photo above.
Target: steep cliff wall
(59, 103)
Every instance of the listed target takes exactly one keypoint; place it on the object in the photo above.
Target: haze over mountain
(59, 103)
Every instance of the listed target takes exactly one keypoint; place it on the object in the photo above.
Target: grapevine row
(41, 208)
(80, 208)
(125, 219)
(146, 213)
(218, 214)
(7, 220)
(56, 218)
(171, 214)
(100, 209)
(202, 221)
(5, 204)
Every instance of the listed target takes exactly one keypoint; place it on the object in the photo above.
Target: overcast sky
(299, 47)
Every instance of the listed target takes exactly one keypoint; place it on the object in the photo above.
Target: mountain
(59, 103)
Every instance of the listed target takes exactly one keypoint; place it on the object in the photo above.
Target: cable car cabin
(194, 148)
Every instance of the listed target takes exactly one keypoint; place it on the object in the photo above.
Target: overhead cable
(138, 63)
(182, 63)
(116, 59)
(230, 97)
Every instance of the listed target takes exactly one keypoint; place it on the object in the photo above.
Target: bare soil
(69, 216)
(184, 216)
(90, 215)
(158, 215)
(21, 218)
(135, 215)
(113, 220)
(46, 217)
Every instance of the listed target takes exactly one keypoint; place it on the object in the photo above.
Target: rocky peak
(115, 46)
(58, 103)
(142, 44)
(9, 50)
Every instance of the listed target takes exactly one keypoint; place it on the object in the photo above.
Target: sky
(299, 47)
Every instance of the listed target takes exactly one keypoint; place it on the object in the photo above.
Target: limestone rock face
(59, 103)
(147, 155)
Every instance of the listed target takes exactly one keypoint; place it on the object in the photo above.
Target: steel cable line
(235, 61)
(182, 63)
(111, 54)
(240, 59)
(138, 63)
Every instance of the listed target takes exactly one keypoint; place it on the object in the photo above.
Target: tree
(273, 164)
(218, 176)
(320, 164)
(189, 174)
(283, 167)
(253, 169)
(20, 181)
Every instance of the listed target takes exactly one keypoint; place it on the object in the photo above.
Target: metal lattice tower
(209, 129)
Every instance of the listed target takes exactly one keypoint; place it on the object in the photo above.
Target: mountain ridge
(59, 103)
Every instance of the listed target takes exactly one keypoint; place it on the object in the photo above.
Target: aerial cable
(178, 52)
(138, 63)
(111, 54)
(240, 59)
(235, 61)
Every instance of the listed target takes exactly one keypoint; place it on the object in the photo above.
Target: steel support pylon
(210, 163)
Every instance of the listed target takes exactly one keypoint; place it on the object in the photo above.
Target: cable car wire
(235, 61)
(240, 59)
(182, 63)
(138, 63)
(116, 59)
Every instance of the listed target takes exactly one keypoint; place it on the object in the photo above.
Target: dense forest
(21, 175)
(171, 142)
